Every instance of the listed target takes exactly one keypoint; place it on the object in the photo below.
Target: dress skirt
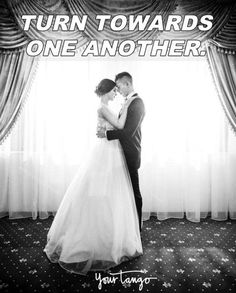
(96, 226)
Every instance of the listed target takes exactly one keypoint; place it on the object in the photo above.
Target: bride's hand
(100, 114)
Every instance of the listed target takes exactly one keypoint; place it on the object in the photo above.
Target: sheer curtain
(189, 165)
(189, 150)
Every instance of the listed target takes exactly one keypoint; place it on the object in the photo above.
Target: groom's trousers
(130, 139)
(137, 194)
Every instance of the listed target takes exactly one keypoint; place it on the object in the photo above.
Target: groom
(130, 135)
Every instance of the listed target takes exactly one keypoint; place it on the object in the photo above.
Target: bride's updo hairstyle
(104, 87)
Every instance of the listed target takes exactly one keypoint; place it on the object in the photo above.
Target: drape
(223, 67)
(221, 53)
(16, 72)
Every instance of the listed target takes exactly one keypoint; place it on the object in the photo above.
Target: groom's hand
(101, 133)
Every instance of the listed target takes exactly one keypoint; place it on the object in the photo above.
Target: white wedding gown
(96, 226)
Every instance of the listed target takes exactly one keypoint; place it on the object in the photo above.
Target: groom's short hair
(124, 75)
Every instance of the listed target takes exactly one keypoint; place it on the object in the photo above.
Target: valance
(226, 36)
(12, 35)
(113, 7)
(220, 10)
(36, 7)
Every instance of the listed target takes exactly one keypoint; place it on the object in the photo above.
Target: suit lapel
(131, 99)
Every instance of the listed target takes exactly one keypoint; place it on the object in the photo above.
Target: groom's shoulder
(137, 101)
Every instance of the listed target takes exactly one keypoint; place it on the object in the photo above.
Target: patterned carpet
(179, 256)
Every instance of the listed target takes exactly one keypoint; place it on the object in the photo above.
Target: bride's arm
(110, 117)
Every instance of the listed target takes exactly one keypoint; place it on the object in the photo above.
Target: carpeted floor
(179, 256)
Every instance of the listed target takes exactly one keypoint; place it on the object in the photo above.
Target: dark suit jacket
(130, 135)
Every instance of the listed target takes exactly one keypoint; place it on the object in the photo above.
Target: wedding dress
(96, 226)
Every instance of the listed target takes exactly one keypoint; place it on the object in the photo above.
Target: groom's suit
(130, 139)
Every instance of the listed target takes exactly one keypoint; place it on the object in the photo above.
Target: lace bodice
(102, 123)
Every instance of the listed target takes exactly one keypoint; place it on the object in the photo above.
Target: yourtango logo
(124, 278)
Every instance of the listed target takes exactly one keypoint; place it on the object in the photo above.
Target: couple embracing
(98, 223)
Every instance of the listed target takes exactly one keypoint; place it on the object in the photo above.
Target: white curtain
(189, 150)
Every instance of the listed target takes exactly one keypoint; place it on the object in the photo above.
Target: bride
(96, 226)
